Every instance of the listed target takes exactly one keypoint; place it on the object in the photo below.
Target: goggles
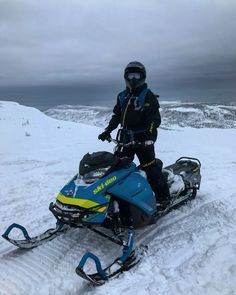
(133, 76)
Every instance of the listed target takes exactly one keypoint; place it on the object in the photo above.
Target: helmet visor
(133, 76)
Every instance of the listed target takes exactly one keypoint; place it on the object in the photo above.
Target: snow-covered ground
(194, 251)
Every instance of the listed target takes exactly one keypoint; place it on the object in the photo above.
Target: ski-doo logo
(103, 185)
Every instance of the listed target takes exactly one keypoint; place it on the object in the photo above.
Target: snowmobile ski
(28, 242)
(112, 271)
(128, 260)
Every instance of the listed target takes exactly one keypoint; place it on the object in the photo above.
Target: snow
(204, 115)
(181, 109)
(194, 251)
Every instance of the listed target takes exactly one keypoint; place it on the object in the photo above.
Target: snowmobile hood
(78, 194)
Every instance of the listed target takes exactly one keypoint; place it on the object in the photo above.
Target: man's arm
(152, 115)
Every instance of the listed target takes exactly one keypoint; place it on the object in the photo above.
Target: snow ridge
(194, 115)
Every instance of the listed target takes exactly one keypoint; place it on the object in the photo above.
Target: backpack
(141, 98)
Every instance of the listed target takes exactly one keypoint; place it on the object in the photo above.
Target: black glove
(104, 135)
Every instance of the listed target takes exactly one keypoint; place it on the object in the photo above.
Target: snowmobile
(112, 197)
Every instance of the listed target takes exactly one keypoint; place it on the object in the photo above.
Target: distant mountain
(197, 115)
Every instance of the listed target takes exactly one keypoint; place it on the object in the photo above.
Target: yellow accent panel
(101, 209)
(79, 202)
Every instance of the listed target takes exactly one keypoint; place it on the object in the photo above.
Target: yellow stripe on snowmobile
(100, 210)
(79, 202)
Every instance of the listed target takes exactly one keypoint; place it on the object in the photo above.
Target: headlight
(94, 175)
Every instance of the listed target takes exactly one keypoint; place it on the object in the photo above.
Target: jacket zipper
(126, 108)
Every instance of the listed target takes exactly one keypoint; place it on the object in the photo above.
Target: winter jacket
(133, 117)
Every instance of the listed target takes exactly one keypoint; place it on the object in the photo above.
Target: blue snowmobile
(112, 197)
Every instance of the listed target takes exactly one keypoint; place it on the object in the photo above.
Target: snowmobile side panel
(135, 190)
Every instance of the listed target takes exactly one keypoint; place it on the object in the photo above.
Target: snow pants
(152, 167)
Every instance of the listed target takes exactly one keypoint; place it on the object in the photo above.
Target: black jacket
(132, 117)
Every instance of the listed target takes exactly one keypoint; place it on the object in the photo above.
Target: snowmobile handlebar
(132, 143)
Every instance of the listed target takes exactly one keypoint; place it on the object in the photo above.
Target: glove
(105, 135)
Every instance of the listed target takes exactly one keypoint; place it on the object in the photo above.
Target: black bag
(91, 162)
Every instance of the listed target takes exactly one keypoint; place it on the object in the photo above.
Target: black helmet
(133, 81)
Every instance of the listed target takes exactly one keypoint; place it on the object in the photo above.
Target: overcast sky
(54, 51)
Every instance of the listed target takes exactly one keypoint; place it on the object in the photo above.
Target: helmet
(134, 74)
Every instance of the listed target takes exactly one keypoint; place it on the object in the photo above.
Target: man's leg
(153, 169)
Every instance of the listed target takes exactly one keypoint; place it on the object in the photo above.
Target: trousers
(152, 167)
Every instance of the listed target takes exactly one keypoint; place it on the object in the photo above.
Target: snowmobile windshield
(94, 175)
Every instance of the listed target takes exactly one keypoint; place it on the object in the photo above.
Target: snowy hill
(173, 113)
(194, 251)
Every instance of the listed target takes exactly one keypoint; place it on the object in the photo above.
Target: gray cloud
(188, 47)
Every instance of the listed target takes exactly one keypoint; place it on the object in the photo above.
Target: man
(137, 110)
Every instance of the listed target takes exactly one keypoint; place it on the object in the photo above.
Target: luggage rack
(189, 159)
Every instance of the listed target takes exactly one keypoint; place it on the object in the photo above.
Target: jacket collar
(137, 90)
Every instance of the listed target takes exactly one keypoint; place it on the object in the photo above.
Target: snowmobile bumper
(76, 217)
(66, 216)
